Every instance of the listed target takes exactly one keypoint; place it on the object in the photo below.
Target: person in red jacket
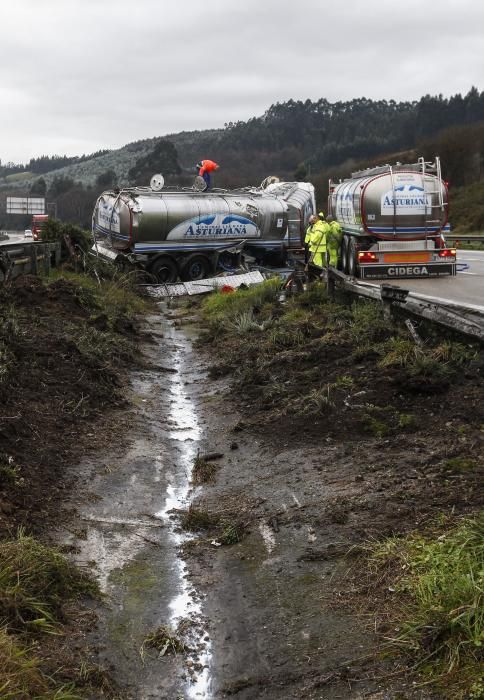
(205, 167)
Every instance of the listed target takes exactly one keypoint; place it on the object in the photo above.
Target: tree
(107, 179)
(39, 187)
(162, 159)
(60, 185)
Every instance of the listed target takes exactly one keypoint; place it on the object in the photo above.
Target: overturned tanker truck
(184, 233)
(394, 220)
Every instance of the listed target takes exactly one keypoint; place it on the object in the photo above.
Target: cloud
(78, 76)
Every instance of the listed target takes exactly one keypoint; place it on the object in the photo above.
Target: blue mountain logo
(233, 218)
(409, 188)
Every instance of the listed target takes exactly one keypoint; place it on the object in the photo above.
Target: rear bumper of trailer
(407, 270)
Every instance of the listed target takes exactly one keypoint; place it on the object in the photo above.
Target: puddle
(134, 538)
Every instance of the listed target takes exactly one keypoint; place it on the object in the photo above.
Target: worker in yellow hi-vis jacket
(333, 241)
(307, 238)
(317, 243)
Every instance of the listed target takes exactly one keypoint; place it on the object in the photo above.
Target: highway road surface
(465, 289)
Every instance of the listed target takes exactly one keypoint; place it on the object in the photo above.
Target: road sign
(25, 205)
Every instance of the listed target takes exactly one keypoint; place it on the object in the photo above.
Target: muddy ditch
(244, 560)
(221, 517)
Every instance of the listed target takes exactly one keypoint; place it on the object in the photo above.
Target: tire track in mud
(129, 531)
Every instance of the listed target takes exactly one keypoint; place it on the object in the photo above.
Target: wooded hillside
(294, 140)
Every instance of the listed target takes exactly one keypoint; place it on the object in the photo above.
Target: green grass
(101, 349)
(375, 426)
(6, 361)
(460, 464)
(21, 677)
(434, 362)
(203, 472)
(466, 245)
(9, 330)
(315, 295)
(407, 421)
(164, 641)
(438, 614)
(220, 308)
(195, 519)
(368, 324)
(319, 401)
(19, 176)
(398, 352)
(35, 582)
(231, 533)
(245, 322)
(114, 297)
(10, 474)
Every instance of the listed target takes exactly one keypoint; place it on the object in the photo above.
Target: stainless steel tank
(403, 202)
(141, 220)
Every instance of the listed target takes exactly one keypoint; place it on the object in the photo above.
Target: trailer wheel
(344, 255)
(196, 267)
(164, 269)
(351, 253)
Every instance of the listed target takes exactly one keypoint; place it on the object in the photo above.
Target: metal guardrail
(467, 321)
(28, 258)
(467, 237)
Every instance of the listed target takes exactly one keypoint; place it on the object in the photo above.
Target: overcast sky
(80, 75)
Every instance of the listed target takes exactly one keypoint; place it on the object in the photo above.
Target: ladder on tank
(431, 175)
(394, 194)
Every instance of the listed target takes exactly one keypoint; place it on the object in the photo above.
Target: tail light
(366, 256)
(447, 253)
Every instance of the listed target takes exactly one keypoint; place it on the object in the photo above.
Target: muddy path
(258, 616)
(125, 527)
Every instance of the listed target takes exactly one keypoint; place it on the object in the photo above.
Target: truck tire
(195, 267)
(352, 264)
(164, 269)
(344, 255)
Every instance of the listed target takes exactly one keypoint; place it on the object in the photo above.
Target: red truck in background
(38, 223)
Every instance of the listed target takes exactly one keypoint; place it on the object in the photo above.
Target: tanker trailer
(394, 219)
(182, 232)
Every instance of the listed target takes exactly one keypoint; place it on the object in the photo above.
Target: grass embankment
(65, 343)
(467, 208)
(36, 583)
(313, 370)
(309, 357)
(437, 618)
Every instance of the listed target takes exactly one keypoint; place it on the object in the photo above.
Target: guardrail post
(389, 294)
(46, 248)
(33, 259)
(56, 248)
(331, 283)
